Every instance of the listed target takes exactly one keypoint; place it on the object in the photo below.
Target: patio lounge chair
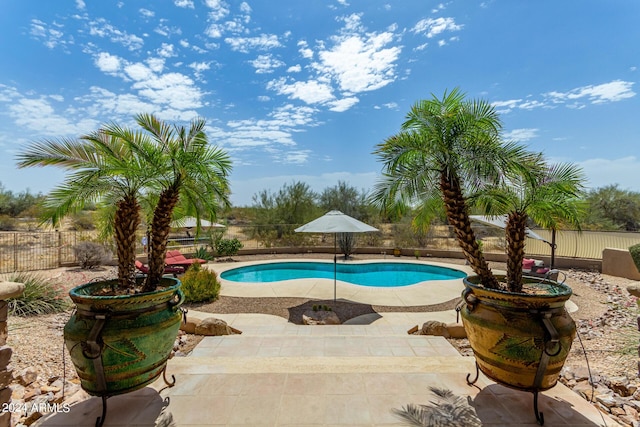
(535, 268)
(167, 269)
(175, 258)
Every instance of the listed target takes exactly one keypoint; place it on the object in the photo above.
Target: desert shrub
(7, 223)
(227, 247)
(200, 285)
(83, 221)
(203, 253)
(635, 254)
(91, 254)
(40, 296)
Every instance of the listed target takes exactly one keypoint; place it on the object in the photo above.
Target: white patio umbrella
(190, 222)
(335, 222)
(501, 222)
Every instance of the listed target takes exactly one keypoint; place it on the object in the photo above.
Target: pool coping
(422, 293)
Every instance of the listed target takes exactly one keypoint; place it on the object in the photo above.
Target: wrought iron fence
(23, 251)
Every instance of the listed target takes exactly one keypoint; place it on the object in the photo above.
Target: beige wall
(618, 262)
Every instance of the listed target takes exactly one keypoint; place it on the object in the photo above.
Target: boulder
(190, 325)
(320, 317)
(433, 327)
(634, 289)
(212, 326)
(456, 330)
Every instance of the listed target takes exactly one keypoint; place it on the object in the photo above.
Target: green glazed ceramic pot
(122, 343)
(508, 334)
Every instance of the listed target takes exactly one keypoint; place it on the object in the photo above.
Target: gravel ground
(606, 321)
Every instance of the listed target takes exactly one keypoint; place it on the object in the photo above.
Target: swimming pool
(373, 274)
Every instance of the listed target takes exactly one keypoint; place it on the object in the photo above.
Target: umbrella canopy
(190, 222)
(501, 222)
(335, 222)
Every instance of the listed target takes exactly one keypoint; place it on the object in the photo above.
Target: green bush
(227, 247)
(635, 254)
(40, 296)
(200, 285)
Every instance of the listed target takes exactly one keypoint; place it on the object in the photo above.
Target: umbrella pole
(335, 266)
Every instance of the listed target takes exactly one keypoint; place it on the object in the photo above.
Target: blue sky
(304, 90)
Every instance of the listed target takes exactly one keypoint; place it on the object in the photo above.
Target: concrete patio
(281, 374)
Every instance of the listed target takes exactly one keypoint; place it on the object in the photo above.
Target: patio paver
(280, 374)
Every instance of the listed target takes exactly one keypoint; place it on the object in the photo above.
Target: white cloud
(80, 4)
(244, 7)
(343, 104)
(166, 50)
(38, 116)
(277, 130)
(199, 67)
(245, 44)
(101, 28)
(264, 98)
(156, 64)
(304, 50)
(294, 69)
(613, 91)
(108, 63)
(219, 9)
(311, 92)
(265, 64)
(521, 135)
(354, 61)
(165, 30)
(360, 62)
(295, 157)
(184, 3)
(138, 71)
(433, 27)
(174, 89)
(147, 13)
(49, 36)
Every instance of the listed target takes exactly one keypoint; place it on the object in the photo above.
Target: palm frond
(447, 410)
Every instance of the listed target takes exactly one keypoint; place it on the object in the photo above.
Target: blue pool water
(379, 274)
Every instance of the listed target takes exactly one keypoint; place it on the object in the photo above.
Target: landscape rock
(634, 289)
(190, 325)
(27, 376)
(212, 326)
(433, 327)
(320, 317)
(456, 330)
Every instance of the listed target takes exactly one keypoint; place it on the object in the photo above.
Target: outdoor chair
(175, 258)
(167, 269)
(536, 268)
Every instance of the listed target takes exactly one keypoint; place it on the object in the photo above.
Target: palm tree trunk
(458, 216)
(515, 234)
(160, 228)
(127, 220)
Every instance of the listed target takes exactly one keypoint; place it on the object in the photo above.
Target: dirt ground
(606, 319)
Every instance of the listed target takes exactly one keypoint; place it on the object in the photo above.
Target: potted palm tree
(450, 149)
(123, 330)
